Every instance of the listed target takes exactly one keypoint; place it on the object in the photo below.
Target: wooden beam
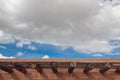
(20, 67)
(6, 68)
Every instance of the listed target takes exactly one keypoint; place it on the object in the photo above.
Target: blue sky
(59, 29)
(31, 49)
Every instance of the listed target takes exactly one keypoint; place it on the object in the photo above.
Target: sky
(59, 28)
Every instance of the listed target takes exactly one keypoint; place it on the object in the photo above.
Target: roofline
(61, 60)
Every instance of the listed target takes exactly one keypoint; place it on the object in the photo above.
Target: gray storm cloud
(82, 24)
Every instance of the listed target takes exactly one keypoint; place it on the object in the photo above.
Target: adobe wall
(62, 74)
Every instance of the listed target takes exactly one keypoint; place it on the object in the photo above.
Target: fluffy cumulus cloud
(32, 47)
(21, 43)
(85, 25)
(45, 57)
(20, 54)
(5, 57)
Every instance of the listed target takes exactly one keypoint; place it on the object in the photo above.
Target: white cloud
(97, 55)
(3, 47)
(63, 48)
(45, 57)
(5, 57)
(1, 33)
(94, 46)
(32, 47)
(21, 43)
(6, 38)
(81, 24)
(20, 54)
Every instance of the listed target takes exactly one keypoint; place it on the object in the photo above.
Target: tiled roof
(49, 67)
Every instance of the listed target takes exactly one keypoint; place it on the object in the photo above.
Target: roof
(60, 69)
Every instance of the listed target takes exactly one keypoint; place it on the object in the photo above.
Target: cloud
(82, 24)
(32, 47)
(20, 54)
(5, 57)
(6, 38)
(97, 55)
(21, 43)
(45, 57)
(3, 47)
